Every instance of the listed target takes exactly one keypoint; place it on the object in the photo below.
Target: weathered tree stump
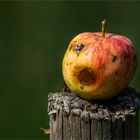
(73, 118)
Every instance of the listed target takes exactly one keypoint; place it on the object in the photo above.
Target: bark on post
(73, 118)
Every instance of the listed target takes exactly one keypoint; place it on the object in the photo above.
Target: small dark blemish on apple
(78, 48)
(114, 58)
(69, 63)
(74, 74)
(87, 53)
(116, 73)
(132, 47)
(125, 55)
(74, 67)
(107, 51)
(81, 87)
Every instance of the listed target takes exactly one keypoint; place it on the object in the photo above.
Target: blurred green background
(33, 39)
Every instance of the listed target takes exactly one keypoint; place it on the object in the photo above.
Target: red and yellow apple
(99, 65)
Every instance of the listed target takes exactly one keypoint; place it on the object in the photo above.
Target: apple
(99, 65)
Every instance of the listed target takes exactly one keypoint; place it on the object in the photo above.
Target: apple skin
(97, 67)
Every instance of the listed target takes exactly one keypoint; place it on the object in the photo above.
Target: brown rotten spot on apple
(78, 48)
(114, 58)
(87, 77)
(125, 55)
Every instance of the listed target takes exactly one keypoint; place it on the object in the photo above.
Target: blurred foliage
(33, 39)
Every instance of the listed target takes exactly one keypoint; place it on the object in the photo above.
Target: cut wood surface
(73, 118)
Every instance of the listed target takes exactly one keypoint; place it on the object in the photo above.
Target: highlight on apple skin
(99, 65)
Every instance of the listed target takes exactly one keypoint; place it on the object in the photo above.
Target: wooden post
(73, 118)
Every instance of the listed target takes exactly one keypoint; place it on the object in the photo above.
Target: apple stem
(104, 22)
